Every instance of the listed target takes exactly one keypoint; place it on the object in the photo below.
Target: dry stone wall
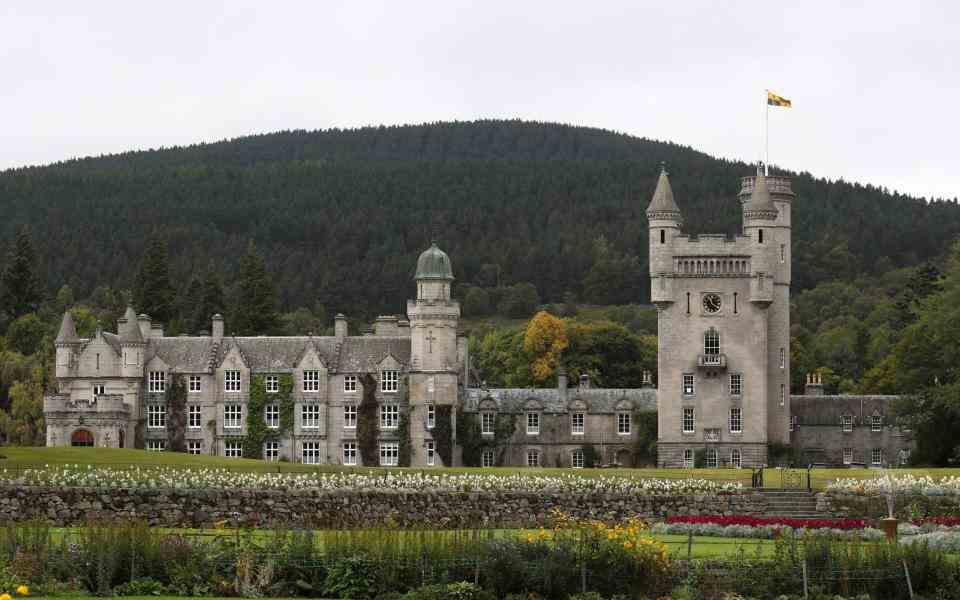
(349, 508)
(875, 507)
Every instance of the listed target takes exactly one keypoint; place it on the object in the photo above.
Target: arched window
(711, 341)
(663, 236)
(760, 235)
(688, 303)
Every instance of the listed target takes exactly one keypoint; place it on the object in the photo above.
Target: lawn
(21, 457)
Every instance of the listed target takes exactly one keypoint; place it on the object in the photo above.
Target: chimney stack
(217, 327)
(143, 321)
(647, 381)
(814, 386)
(340, 326)
(386, 326)
(584, 382)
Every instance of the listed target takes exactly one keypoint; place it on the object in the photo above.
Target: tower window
(711, 341)
(663, 236)
(783, 253)
(760, 235)
(688, 303)
(734, 303)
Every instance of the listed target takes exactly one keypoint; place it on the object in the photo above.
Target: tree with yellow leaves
(545, 341)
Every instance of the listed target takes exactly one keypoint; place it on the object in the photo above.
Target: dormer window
(876, 423)
(846, 423)
(231, 381)
(311, 381)
(157, 382)
(389, 381)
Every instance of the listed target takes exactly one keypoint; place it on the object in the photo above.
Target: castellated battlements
(102, 403)
(780, 187)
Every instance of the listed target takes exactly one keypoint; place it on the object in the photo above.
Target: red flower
(724, 520)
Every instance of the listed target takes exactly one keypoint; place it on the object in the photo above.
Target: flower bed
(725, 520)
(189, 478)
(902, 485)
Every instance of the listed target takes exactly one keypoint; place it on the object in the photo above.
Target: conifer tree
(21, 289)
(153, 292)
(209, 301)
(256, 312)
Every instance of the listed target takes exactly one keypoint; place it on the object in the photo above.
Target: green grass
(22, 457)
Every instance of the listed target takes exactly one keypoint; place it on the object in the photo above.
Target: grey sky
(875, 85)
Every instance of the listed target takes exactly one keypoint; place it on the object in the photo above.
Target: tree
(26, 334)
(211, 300)
(21, 288)
(933, 415)
(476, 302)
(64, 299)
(24, 424)
(256, 312)
(545, 340)
(519, 301)
(153, 291)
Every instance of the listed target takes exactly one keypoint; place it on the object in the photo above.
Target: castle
(723, 375)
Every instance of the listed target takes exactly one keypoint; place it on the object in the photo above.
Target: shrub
(144, 586)
(351, 577)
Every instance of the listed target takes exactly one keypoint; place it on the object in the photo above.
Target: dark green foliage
(443, 434)
(518, 301)
(211, 301)
(256, 308)
(645, 446)
(368, 422)
(21, 289)
(176, 400)
(153, 291)
(403, 435)
(590, 456)
(26, 334)
(473, 443)
(257, 430)
(476, 302)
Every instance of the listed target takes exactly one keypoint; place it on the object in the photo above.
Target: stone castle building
(723, 376)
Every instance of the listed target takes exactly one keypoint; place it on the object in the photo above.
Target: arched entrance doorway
(81, 437)
(121, 440)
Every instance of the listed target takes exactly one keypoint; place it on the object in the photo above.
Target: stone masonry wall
(875, 507)
(349, 508)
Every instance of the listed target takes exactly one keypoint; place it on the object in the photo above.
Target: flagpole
(766, 141)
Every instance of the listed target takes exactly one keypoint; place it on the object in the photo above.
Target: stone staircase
(794, 504)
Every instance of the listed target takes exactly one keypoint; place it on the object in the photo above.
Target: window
(876, 423)
(233, 449)
(904, 456)
(271, 451)
(349, 383)
(350, 416)
(760, 236)
(271, 383)
(156, 416)
(848, 456)
(576, 423)
(688, 458)
(156, 445)
(389, 416)
(533, 423)
(310, 453)
(711, 458)
(711, 341)
(231, 381)
(487, 421)
(688, 388)
(736, 384)
(195, 385)
(157, 382)
(735, 459)
(736, 420)
(623, 423)
(194, 414)
(232, 416)
(735, 303)
(194, 446)
(431, 454)
(487, 458)
(271, 416)
(783, 253)
(389, 381)
(311, 381)
(876, 456)
(783, 358)
(794, 422)
(576, 459)
(688, 303)
(533, 458)
(687, 420)
(846, 423)
(99, 389)
(310, 416)
(431, 416)
(389, 454)
(783, 394)
(663, 236)
(349, 453)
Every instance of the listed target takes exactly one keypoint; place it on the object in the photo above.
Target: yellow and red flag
(775, 100)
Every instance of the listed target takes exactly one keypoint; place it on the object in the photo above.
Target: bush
(143, 586)
(351, 577)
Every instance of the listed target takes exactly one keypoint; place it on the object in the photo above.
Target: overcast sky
(875, 85)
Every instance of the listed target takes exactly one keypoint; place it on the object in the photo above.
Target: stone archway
(81, 437)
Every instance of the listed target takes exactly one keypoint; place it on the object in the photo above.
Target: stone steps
(793, 504)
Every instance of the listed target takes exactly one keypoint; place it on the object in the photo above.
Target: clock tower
(723, 306)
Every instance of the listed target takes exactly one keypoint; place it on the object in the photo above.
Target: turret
(664, 218)
(66, 344)
(131, 344)
(767, 205)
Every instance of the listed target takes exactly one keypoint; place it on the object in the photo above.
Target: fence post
(689, 545)
(906, 572)
(803, 566)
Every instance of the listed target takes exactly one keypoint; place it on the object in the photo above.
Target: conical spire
(68, 333)
(760, 205)
(128, 328)
(662, 203)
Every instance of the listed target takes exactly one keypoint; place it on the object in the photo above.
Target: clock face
(711, 303)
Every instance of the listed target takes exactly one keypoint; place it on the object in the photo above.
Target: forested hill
(341, 215)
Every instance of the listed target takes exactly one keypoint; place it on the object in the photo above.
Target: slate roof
(112, 340)
(67, 333)
(598, 400)
(271, 354)
(827, 410)
(662, 201)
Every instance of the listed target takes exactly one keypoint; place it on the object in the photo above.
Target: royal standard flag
(775, 100)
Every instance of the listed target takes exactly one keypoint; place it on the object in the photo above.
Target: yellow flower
(23, 590)
(6, 597)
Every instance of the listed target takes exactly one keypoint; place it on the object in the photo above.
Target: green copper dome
(434, 264)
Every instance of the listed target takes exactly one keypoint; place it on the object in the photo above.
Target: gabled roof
(598, 400)
(67, 333)
(128, 328)
(182, 354)
(827, 410)
(363, 354)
